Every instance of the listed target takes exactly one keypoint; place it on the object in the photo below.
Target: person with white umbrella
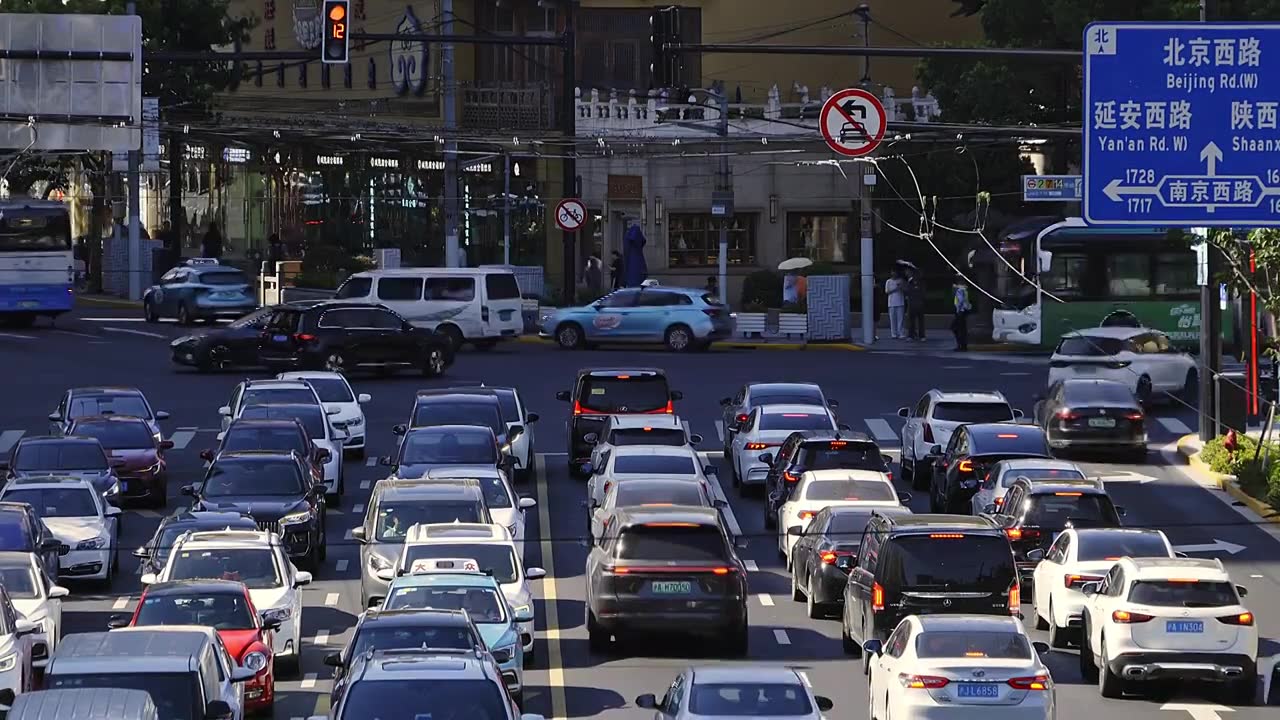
(793, 287)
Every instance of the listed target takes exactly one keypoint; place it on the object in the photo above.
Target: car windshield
(1112, 545)
(793, 395)
(448, 448)
(850, 490)
(496, 559)
(1080, 510)
(258, 477)
(117, 435)
(624, 393)
(738, 700)
(1089, 346)
(399, 700)
(1039, 474)
(253, 319)
(175, 695)
(954, 560)
(62, 502)
(1183, 593)
(19, 582)
(254, 567)
(224, 277)
(669, 437)
(312, 417)
(332, 390)
(395, 519)
(510, 410)
(840, 455)
(665, 542)
(482, 604)
(405, 637)
(277, 396)
(220, 611)
(435, 414)
(271, 439)
(61, 456)
(796, 421)
(973, 644)
(1099, 392)
(94, 405)
(972, 412)
(631, 494)
(653, 465)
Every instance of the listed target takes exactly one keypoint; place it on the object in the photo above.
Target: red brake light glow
(757, 446)
(1007, 436)
(966, 466)
(922, 682)
(807, 515)
(721, 571)
(946, 536)
(1134, 416)
(1068, 494)
(790, 478)
(1075, 581)
(1244, 618)
(837, 444)
(742, 418)
(877, 598)
(1125, 617)
(304, 337)
(1039, 682)
(1066, 414)
(1015, 599)
(795, 415)
(672, 524)
(623, 377)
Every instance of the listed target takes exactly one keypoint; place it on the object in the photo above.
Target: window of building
(693, 239)
(614, 51)
(821, 237)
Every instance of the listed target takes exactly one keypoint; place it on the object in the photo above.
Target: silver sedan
(737, 691)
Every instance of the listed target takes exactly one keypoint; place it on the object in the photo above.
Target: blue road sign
(1051, 188)
(1180, 124)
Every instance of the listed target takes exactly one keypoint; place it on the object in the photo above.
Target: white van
(468, 305)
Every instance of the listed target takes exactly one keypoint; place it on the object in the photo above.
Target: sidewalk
(103, 300)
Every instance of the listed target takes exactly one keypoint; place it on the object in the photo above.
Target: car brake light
(966, 466)
(795, 415)
(613, 570)
(1007, 436)
(1244, 618)
(757, 446)
(1068, 494)
(1015, 599)
(877, 598)
(672, 524)
(1021, 533)
(790, 478)
(671, 408)
(1125, 617)
(1075, 581)
(830, 557)
(741, 418)
(928, 433)
(1039, 682)
(623, 377)
(807, 515)
(721, 571)
(999, 501)
(946, 536)
(1135, 416)
(1067, 414)
(922, 682)
(837, 444)
(304, 337)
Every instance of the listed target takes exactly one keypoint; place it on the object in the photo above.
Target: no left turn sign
(853, 122)
(571, 214)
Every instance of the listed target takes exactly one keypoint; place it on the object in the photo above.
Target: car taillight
(790, 478)
(807, 515)
(757, 446)
(1125, 617)
(922, 682)
(999, 501)
(877, 598)
(1039, 682)
(1015, 599)
(614, 570)
(1075, 581)
(1022, 533)
(741, 418)
(831, 557)
(1066, 414)
(965, 466)
(928, 433)
(304, 337)
(1135, 416)
(1244, 618)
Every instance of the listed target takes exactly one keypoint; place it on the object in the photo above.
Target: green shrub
(1259, 482)
(761, 289)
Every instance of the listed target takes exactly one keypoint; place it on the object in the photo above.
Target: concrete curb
(1226, 483)
(107, 301)
(737, 344)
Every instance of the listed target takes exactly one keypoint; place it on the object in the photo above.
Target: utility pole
(863, 12)
(452, 245)
(569, 165)
(867, 254)
(1210, 320)
(506, 209)
(177, 215)
(725, 184)
(135, 206)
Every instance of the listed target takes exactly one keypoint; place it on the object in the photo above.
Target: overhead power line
(849, 51)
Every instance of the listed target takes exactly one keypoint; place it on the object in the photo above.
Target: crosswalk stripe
(881, 429)
(370, 461)
(182, 438)
(1174, 425)
(720, 430)
(9, 438)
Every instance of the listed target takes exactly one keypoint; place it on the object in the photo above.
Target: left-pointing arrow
(1116, 191)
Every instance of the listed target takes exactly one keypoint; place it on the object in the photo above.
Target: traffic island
(1237, 473)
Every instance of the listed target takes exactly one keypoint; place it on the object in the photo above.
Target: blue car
(200, 289)
(680, 318)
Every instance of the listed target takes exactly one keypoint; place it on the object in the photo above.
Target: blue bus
(37, 271)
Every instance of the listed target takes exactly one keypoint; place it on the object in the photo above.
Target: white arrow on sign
(1199, 711)
(1210, 156)
(1116, 191)
(1215, 546)
(1128, 476)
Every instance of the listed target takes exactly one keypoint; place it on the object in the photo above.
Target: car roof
(37, 481)
(650, 450)
(807, 436)
(57, 439)
(106, 390)
(113, 418)
(472, 395)
(15, 558)
(194, 587)
(423, 534)
(937, 522)
(429, 489)
(969, 396)
(667, 514)
(272, 382)
(748, 674)
(141, 650)
(1117, 332)
(631, 422)
(987, 431)
(842, 474)
(311, 374)
(1163, 568)
(208, 517)
(806, 408)
(435, 271)
(336, 304)
(233, 538)
(969, 623)
(416, 618)
(403, 666)
(754, 387)
(1088, 486)
(250, 455)
(1013, 464)
(84, 704)
(10, 507)
(290, 423)
(464, 472)
(614, 372)
(441, 429)
(1113, 531)
(465, 578)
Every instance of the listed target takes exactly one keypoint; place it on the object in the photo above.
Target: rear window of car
(117, 435)
(668, 493)
(972, 412)
(1183, 593)
(847, 525)
(224, 277)
(434, 413)
(624, 393)
(796, 421)
(669, 437)
(278, 439)
(653, 465)
(501, 286)
(969, 644)
(1103, 546)
(1039, 474)
(665, 543)
(948, 560)
(1017, 441)
(356, 287)
(61, 456)
(787, 396)
(1101, 391)
(1057, 510)
(278, 396)
(849, 490)
(1089, 346)
(839, 455)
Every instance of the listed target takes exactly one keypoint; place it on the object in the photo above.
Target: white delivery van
(480, 306)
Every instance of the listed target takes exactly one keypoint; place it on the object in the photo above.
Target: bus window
(1066, 275)
(1174, 275)
(1129, 275)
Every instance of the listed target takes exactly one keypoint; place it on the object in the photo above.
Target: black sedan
(235, 345)
(826, 552)
(1093, 414)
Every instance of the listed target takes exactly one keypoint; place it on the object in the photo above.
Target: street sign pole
(1210, 325)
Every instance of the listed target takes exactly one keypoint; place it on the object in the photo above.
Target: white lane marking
(331, 599)
(297, 717)
(143, 333)
(123, 319)
(60, 331)
(308, 680)
(182, 438)
(9, 438)
(765, 600)
(751, 565)
(957, 367)
(357, 509)
(190, 427)
(120, 603)
(881, 429)
(340, 566)
(347, 536)
(321, 638)
(555, 663)
(364, 484)
(781, 636)
(720, 429)
(371, 462)
(1174, 425)
(16, 336)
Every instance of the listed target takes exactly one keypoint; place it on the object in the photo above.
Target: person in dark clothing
(211, 245)
(275, 250)
(615, 270)
(713, 286)
(960, 322)
(915, 305)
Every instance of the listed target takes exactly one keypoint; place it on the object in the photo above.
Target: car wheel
(770, 519)
(453, 335)
(434, 364)
(216, 358)
(1143, 391)
(569, 336)
(1057, 636)
(150, 313)
(907, 469)
(1244, 691)
(796, 593)
(1110, 685)
(1088, 668)
(678, 338)
(851, 648)
(184, 315)
(1041, 623)
(812, 607)
(597, 637)
(336, 362)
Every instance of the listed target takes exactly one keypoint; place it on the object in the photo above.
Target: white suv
(1154, 619)
(1140, 358)
(78, 517)
(935, 416)
(335, 391)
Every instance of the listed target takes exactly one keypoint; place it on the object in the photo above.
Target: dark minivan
(926, 564)
(598, 393)
(971, 453)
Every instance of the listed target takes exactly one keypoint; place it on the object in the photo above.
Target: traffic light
(335, 47)
(664, 30)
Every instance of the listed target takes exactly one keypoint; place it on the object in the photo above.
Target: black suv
(817, 450)
(22, 530)
(971, 453)
(154, 555)
(1035, 511)
(344, 336)
(666, 569)
(278, 489)
(926, 564)
(598, 393)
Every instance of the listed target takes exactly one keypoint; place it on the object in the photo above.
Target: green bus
(1081, 273)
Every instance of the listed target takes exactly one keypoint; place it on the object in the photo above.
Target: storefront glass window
(693, 239)
(821, 237)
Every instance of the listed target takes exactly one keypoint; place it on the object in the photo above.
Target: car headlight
(377, 562)
(113, 490)
(96, 543)
(255, 661)
(8, 662)
(355, 422)
(297, 518)
(281, 613)
(512, 529)
(504, 654)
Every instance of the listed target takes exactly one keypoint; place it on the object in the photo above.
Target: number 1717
(1138, 205)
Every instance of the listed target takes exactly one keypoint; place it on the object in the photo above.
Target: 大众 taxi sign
(443, 565)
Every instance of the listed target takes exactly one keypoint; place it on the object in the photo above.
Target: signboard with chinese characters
(1180, 125)
(1052, 188)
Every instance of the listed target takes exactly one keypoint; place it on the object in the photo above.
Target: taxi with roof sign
(200, 289)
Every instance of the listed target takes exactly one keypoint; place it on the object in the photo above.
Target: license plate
(1085, 369)
(1184, 626)
(28, 304)
(1102, 422)
(978, 691)
(279, 338)
(671, 587)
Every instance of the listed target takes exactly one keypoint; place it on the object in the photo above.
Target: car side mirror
(695, 439)
(527, 502)
(117, 621)
(386, 461)
(1181, 555)
(188, 490)
(271, 624)
(399, 429)
(873, 647)
(514, 432)
(1040, 647)
(676, 395)
(844, 428)
(935, 450)
(531, 418)
(219, 709)
(833, 404)
(766, 458)
(904, 412)
(358, 534)
(387, 574)
(1242, 590)
(323, 455)
(363, 398)
(1120, 511)
(591, 438)
(165, 445)
(225, 411)
(57, 592)
(24, 627)
(534, 573)
(563, 396)
(740, 543)
(332, 410)
(648, 701)
(990, 508)
(1035, 555)
(1019, 414)
(904, 498)
(333, 659)
(886, 459)
(162, 415)
(1090, 588)
(55, 417)
(147, 579)
(726, 402)
(50, 544)
(111, 511)
(709, 470)
(301, 578)
(795, 530)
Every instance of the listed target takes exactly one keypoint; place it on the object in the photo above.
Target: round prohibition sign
(853, 122)
(571, 214)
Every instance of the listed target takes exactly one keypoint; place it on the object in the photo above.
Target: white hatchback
(818, 489)
(1142, 359)
(36, 599)
(78, 517)
(767, 427)
(649, 461)
(933, 419)
(505, 507)
(336, 392)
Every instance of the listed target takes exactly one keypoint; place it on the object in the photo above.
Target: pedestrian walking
(713, 286)
(962, 306)
(615, 271)
(593, 275)
(915, 305)
(895, 290)
(211, 245)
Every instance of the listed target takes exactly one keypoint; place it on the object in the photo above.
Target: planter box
(789, 326)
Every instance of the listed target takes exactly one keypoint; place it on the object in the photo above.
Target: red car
(225, 606)
(129, 442)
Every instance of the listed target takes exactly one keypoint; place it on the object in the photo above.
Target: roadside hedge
(1260, 483)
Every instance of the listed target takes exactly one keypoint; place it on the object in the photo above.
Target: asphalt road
(111, 347)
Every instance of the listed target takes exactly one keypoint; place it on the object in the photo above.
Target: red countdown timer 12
(338, 24)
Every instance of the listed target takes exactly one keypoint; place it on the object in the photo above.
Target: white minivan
(480, 306)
